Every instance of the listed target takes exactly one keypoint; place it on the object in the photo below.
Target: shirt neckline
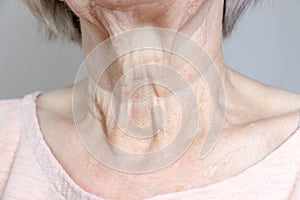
(68, 189)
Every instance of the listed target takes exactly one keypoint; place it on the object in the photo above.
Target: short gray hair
(59, 21)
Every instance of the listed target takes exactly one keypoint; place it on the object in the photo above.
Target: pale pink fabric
(28, 169)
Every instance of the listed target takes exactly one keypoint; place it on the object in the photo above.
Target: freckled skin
(254, 112)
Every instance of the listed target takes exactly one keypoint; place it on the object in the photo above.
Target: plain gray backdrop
(264, 46)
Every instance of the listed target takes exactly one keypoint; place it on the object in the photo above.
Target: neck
(201, 21)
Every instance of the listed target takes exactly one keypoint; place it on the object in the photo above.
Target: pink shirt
(28, 169)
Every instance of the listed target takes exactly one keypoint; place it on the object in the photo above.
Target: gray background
(264, 46)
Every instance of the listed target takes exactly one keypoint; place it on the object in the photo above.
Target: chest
(236, 150)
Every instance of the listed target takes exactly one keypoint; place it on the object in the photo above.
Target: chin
(118, 4)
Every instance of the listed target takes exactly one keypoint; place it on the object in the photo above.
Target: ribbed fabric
(29, 170)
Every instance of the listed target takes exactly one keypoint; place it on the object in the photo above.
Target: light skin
(258, 117)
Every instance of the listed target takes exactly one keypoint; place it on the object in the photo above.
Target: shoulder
(9, 113)
(7, 104)
(9, 136)
(264, 111)
(10, 123)
(56, 104)
(283, 100)
(267, 100)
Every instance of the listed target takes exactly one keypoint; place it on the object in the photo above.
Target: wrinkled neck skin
(200, 20)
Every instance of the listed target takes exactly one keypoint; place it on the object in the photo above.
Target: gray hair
(59, 21)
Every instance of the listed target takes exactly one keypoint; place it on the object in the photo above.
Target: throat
(147, 100)
(143, 121)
